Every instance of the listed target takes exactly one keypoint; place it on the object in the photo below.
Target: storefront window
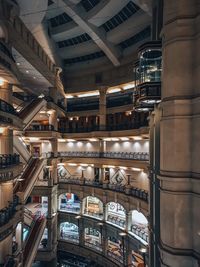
(139, 225)
(69, 203)
(93, 207)
(69, 232)
(116, 214)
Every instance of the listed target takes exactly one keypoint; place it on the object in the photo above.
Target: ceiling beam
(98, 36)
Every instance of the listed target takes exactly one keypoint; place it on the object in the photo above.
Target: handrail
(29, 108)
(132, 191)
(118, 155)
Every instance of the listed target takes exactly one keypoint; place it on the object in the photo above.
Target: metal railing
(40, 127)
(7, 160)
(118, 155)
(8, 212)
(5, 107)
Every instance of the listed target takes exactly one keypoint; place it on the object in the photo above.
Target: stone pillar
(5, 248)
(102, 108)
(179, 136)
(6, 92)
(53, 119)
(53, 94)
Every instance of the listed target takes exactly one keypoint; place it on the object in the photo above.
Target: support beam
(98, 36)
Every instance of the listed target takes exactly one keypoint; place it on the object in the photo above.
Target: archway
(69, 202)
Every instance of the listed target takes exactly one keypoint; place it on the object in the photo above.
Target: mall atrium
(99, 133)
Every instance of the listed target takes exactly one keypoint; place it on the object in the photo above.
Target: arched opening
(69, 202)
(93, 207)
(116, 214)
(139, 225)
(93, 238)
(69, 232)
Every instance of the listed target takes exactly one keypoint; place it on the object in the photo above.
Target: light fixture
(114, 139)
(95, 93)
(93, 139)
(33, 139)
(136, 169)
(61, 140)
(70, 140)
(34, 77)
(27, 71)
(122, 234)
(69, 96)
(18, 64)
(128, 86)
(60, 164)
(84, 164)
(124, 138)
(123, 168)
(114, 90)
(78, 217)
(2, 81)
(137, 137)
(72, 164)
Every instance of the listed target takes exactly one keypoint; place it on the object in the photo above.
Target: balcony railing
(5, 107)
(138, 231)
(7, 160)
(7, 213)
(133, 191)
(41, 127)
(96, 246)
(116, 220)
(6, 51)
(118, 155)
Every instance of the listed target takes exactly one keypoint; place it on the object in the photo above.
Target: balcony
(144, 156)
(8, 213)
(132, 191)
(41, 127)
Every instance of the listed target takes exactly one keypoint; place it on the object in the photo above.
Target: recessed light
(18, 64)
(27, 71)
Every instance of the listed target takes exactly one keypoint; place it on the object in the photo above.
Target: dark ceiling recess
(136, 38)
(129, 10)
(89, 4)
(74, 41)
(84, 58)
(60, 19)
(50, 2)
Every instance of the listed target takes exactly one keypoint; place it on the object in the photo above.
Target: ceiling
(75, 32)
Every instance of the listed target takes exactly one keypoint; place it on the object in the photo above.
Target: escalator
(21, 149)
(26, 182)
(28, 113)
(33, 240)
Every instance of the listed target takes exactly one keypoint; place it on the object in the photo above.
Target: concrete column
(53, 119)
(53, 93)
(102, 108)
(179, 136)
(6, 92)
(5, 248)
(6, 141)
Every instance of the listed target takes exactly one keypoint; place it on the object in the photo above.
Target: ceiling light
(137, 137)
(124, 138)
(60, 164)
(93, 139)
(136, 169)
(84, 164)
(18, 64)
(123, 168)
(61, 140)
(96, 93)
(72, 164)
(69, 96)
(33, 139)
(128, 86)
(27, 71)
(115, 139)
(70, 140)
(114, 90)
(2, 81)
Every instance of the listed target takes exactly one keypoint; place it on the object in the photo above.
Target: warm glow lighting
(61, 140)
(78, 217)
(112, 167)
(137, 137)
(84, 165)
(33, 139)
(96, 93)
(107, 139)
(115, 139)
(72, 164)
(128, 86)
(124, 138)
(122, 234)
(136, 169)
(114, 90)
(69, 96)
(1, 81)
(70, 140)
(93, 139)
(60, 164)
(1, 130)
(123, 168)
